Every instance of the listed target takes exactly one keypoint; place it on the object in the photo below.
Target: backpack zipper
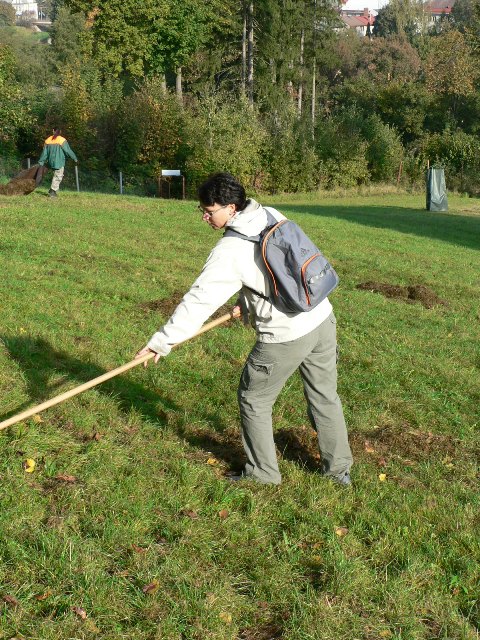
(304, 281)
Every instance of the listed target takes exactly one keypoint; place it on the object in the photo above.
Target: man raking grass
(283, 281)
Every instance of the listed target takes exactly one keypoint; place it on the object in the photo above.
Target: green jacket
(55, 152)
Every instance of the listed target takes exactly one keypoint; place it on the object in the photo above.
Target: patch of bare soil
(409, 294)
(166, 306)
(18, 187)
(268, 631)
(404, 443)
(400, 442)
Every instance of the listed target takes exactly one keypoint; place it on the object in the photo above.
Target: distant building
(435, 10)
(361, 20)
(25, 9)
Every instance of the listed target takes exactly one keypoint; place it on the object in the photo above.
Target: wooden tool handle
(106, 376)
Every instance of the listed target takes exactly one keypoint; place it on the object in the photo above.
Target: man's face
(217, 215)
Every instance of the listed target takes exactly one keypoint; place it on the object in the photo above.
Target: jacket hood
(251, 220)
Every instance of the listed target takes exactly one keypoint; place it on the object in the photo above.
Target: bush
(150, 127)
(342, 150)
(224, 136)
(459, 153)
(14, 111)
(385, 150)
(291, 164)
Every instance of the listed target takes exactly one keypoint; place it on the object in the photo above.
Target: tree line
(276, 91)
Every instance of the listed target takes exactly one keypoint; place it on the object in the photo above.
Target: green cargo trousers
(266, 371)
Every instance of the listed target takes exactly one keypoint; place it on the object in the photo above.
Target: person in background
(54, 154)
(285, 342)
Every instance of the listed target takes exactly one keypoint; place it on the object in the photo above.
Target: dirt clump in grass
(409, 294)
(267, 631)
(402, 442)
(166, 306)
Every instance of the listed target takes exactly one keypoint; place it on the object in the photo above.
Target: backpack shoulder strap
(271, 222)
(232, 233)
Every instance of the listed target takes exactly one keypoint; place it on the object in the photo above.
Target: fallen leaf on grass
(341, 531)
(63, 477)
(368, 447)
(122, 574)
(150, 588)
(447, 461)
(43, 596)
(382, 462)
(223, 514)
(385, 634)
(225, 617)
(212, 461)
(10, 600)
(138, 549)
(96, 436)
(29, 465)
(37, 418)
(91, 626)
(382, 477)
(81, 613)
(189, 513)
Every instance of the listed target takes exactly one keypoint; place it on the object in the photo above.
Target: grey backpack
(300, 276)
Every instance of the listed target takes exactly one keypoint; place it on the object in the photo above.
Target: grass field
(126, 527)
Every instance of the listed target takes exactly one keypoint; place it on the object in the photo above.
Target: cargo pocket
(255, 375)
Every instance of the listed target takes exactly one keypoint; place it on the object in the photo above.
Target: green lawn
(126, 527)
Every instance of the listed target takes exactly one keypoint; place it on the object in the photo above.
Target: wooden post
(399, 172)
(121, 182)
(28, 163)
(183, 187)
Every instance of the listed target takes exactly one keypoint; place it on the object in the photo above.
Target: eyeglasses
(210, 213)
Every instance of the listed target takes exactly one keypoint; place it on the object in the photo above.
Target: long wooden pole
(106, 376)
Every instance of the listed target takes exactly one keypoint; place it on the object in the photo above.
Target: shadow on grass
(456, 229)
(40, 361)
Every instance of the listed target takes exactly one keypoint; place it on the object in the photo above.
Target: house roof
(439, 6)
(357, 21)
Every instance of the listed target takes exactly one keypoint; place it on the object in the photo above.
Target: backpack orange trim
(303, 276)
(264, 251)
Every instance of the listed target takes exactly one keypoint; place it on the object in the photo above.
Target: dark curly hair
(222, 188)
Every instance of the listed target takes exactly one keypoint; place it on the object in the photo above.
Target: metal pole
(121, 182)
(28, 163)
(76, 179)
